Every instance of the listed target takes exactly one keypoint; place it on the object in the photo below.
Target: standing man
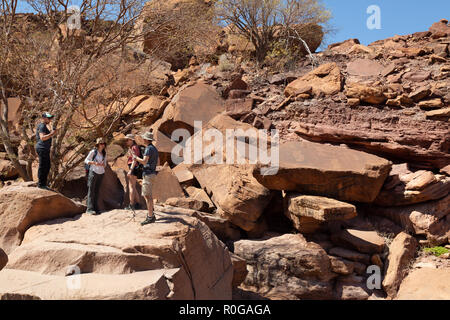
(43, 145)
(149, 160)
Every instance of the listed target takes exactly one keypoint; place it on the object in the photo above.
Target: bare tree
(75, 64)
(264, 21)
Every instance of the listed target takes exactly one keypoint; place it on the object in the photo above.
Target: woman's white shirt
(98, 158)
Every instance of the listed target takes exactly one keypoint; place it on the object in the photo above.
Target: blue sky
(397, 17)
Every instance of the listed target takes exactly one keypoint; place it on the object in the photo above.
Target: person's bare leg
(133, 191)
(149, 201)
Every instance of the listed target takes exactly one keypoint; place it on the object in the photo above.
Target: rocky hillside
(362, 188)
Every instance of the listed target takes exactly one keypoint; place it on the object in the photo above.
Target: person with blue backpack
(95, 164)
(149, 160)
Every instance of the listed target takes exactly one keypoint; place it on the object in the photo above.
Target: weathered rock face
(7, 170)
(287, 267)
(425, 284)
(308, 211)
(3, 259)
(362, 241)
(404, 187)
(111, 193)
(239, 270)
(430, 218)
(187, 203)
(148, 108)
(123, 260)
(326, 79)
(365, 93)
(235, 192)
(336, 172)
(197, 102)
(319, 208)
(144, 285)
(401, 252)
(351, 287)
(166, 185)
(22, 206)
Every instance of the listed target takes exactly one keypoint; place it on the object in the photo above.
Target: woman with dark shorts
(134, 171)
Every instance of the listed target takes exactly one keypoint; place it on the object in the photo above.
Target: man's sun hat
(130, 136)
(47, 115)
(147, 136)
(100, 141)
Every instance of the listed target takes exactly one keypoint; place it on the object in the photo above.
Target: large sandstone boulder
(22, 206)
(404, 187)
(119, 259)
(364, 68)
(344, 46)
(441, 27)
(360, 240)
(426, 284)
(235, 192)
(166, 185)
(193, 102)
(148, 108)
(431, 219)
(401, 252)
(330, 171)
(237, 195)
(313, 210)
(7, 170)
(371, 94)
(143, 285)
(111, 193)
(326, 79)
(222, 228)
(287, 267)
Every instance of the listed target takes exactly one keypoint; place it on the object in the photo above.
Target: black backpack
(139, 166)
(87, 167)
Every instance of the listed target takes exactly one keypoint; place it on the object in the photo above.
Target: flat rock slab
(335, 172)
(114, 243)
(319, 208)
(287, 267)
(362, 241)
(364, 68)
(22, 205)
(426, 284)
(144, 285)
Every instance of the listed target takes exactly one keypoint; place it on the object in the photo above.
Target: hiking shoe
(91, 212)
(129, 207)
(148, 220)
(44, 188)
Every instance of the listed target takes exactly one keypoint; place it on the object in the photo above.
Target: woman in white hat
(134, 172)
(95, 165)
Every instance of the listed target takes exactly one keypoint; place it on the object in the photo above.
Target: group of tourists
(141, 162)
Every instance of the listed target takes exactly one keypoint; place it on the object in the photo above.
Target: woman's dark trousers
(44, 166)
(94, 181)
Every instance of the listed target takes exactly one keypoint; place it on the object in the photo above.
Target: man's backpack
(139, 166)
(87, 167)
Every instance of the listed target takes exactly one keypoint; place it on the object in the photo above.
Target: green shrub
(437, 251)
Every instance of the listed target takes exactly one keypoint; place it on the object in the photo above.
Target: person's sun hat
(147, 136)
(47, 115)
(130, 136)
(100, 141)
